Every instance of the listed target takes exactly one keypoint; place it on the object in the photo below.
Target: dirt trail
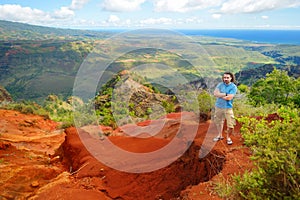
(37, 161)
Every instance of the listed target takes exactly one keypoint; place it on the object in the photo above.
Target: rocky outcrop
(129, 95)
(4, 96)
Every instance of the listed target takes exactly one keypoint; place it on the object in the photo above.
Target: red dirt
(37, 161)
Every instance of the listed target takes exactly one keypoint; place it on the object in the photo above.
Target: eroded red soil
(38, 161)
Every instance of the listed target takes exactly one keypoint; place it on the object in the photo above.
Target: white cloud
(169, 21)
(128, 22)
(122, 5)
(113, 19)
(78, 4)
(224, 6)
(184, 5)
(265, 17)
(191, 20)
(68, 11)
(253, 6)
(63, 13)
(216, 16)
(155, 21)
(13, 12)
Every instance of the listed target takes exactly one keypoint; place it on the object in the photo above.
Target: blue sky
(171, 14)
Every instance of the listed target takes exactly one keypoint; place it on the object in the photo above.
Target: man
(225, 92)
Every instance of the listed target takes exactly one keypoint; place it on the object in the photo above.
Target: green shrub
(28, 107)
(168, 106)
(149, 111)
(65, 125)
(242, 107)
(276, 153)
(206, 101)
(276, 88)
(243, 88)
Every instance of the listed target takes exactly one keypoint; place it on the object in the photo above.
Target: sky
(171, 14)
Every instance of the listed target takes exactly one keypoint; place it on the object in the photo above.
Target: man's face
(226, 78)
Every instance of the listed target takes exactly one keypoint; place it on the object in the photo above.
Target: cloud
(255, 6)
(68, 11)
(154, 21)
(122, 5)
(223, 6)
(63, 13)
(13, 12)
(113, 19)
(77, 4)
(169, 21)
(184, 5)
(216, 16)
(265, 17)
(191, 20)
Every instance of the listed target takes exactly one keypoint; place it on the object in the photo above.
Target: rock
(4, 95)
(35, 184)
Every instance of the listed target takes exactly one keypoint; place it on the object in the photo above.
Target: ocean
(291, 37)
(257, 36)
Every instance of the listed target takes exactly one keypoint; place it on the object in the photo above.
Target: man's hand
(228, 97)
(218, 94)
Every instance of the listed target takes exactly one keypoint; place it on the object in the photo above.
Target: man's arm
(224, 96)
(228, 97)
(218, 94)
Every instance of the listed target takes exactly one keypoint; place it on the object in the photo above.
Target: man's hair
(231, 75)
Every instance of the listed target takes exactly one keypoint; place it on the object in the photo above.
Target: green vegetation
(276, 149)
(206, 102)
(31, 70)
(169, 106)
(56, 109)
(283, 54)
(27, 107)
(277, 87)
(235, 58)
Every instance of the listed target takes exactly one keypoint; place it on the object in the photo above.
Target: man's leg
(230, 124)
(229, 132)
(219, 121)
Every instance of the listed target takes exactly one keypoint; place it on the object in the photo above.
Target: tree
(296, 96)
(277, 88)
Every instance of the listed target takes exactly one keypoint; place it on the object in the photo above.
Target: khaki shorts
(224, 113)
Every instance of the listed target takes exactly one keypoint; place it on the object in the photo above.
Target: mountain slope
(4, 95)
(20, 31)
(250, 76)
(34, 69)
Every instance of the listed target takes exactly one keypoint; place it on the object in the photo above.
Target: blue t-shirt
(229, 89)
